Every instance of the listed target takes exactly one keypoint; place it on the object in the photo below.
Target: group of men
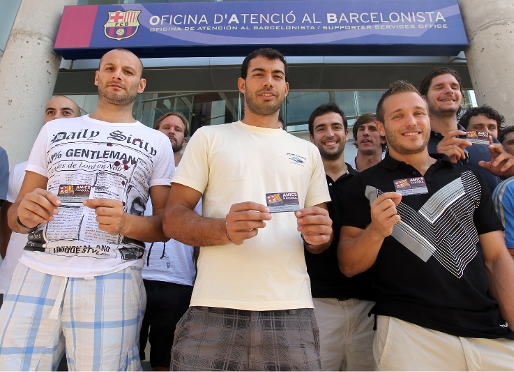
(297, 246)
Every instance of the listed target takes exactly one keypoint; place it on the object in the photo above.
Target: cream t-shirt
(233, 163)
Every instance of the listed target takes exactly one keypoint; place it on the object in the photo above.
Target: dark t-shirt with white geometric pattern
(431, 270)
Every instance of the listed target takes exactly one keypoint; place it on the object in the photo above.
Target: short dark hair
(397, 87)
(437, 71)
(173, 113)
(123, 50)
(269, 53)
(485, 110)
(322, 110)
(365, 119)
(504, 132)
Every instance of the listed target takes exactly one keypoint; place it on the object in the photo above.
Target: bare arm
(500, 270)
(112, 218)
(315, 225)
(182, 223)
(5, 230)
(358, 249)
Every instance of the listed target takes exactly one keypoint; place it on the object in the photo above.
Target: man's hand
(501, 161)
(37, 207)
(383, 214)
(452, 146)
(110, 214)
(244, 219)
(314, 224)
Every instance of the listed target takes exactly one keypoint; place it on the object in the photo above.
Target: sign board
(301, 28)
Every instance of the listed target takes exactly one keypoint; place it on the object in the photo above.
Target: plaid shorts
(96, 319)
(219, 339)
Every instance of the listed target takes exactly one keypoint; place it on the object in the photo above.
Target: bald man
(61, 107)
(78, 287)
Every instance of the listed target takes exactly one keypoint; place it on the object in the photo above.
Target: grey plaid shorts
(218, 339)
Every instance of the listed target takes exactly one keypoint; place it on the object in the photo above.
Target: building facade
(204, 87)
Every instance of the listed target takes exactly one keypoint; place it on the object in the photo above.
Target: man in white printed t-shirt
(263, 190)
(78, 285)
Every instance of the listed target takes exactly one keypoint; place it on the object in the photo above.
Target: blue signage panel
(342, 28)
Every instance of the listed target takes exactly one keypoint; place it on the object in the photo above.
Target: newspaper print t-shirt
(84, 159)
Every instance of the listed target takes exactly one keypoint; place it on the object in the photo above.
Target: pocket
(382, 340)
(136, 288)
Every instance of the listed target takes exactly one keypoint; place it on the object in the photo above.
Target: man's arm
(358, 249)
(315, 225)
(500, 270)
(5, 230)
(182, 223)
(112, 218)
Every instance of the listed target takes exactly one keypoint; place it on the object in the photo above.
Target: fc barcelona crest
(122, 25)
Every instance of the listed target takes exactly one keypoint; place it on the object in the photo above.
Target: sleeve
(164, 167)
(318, 189)
(503, 198)
(193, 169)
(16, 177)
(356, 209)
(485, 217)
(37, 159)
(199, 207)
(4, 173)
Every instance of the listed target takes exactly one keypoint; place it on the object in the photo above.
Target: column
(490, 29)
(28, 71)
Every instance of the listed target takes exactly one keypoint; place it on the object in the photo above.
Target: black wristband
(304, 242)
(26, 227)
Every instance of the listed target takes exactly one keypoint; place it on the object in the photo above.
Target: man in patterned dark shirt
(427, 225)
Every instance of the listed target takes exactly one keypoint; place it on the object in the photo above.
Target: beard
(394, 143)
(369, 151)
(176, 147)
(333, 155)
(263, 108)
(118, 98)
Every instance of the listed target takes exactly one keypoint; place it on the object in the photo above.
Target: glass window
(9, 11)
(212, 108)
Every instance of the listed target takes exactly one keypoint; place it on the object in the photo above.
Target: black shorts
(166, 303)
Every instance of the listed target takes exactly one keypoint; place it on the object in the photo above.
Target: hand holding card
(315, 225)
(244, 219)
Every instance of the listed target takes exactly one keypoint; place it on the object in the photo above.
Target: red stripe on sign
(76, 27)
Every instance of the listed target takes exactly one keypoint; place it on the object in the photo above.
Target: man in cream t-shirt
(263, 189)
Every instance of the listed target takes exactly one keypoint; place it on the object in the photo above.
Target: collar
(392, 164)
(349, 172)
(433, 133)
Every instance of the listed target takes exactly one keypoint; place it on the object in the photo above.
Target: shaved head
(61, 107)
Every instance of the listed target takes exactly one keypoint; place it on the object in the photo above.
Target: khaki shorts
(401, 345)
(345, 334)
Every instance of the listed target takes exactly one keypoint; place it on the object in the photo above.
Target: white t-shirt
(17, 241)
(233, 163)
(170, 261)
(87, 158)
